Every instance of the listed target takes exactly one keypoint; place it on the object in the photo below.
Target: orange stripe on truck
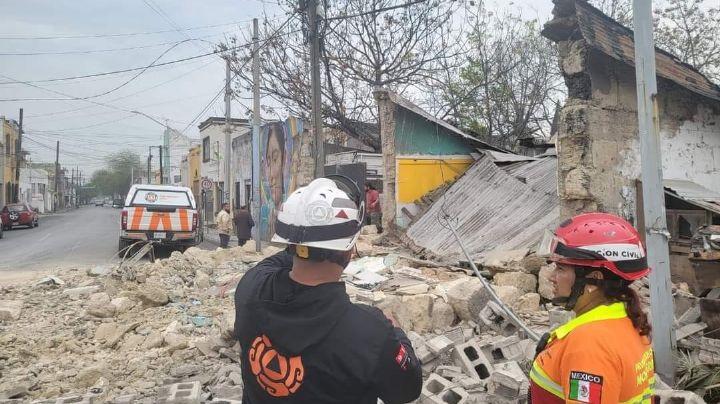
(154, 221)
(184, 225)
(137, 217)
(166, 222)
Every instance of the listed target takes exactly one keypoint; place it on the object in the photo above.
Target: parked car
(99, 202)
(19, 214)
(117, 203)
(162, 213)
(1, 228)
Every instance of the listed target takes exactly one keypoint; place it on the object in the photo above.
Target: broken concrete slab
(439, 344)
(10, 309)
(76, 293)
(504, 260)
(688, 330)
(527, 303)
(508, 381)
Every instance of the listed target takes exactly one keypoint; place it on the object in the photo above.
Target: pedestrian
(604, 355)
(243, 225)
(224, 225)
(302, 339)
(372, 207)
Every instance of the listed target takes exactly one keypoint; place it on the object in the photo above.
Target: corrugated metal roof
(693, 193)
(397, 99)
(501, 157)
(492, 209)
(613, 39)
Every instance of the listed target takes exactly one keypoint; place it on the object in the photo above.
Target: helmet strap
(578, 288)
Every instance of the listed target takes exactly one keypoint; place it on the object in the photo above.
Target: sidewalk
(213, 237)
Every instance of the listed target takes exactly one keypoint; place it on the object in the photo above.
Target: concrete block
(184, 393)
(439, 345)
(526, 283)
(508, 381)
(452, 373)
(424, 354)
(471, 359)
(227, 392)
(468, 298)
(496, 319)
(126, 399)
(457, 335)
(10, 309)
(678, 397)
(437, 390)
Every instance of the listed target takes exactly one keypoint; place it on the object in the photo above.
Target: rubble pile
(162, 332)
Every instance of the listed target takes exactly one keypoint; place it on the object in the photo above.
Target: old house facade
(598, 143)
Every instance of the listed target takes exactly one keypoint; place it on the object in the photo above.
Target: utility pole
(656, 233)
(228, 147)
(256, 135)
(318, 140)
(57, 172)
(161, 165)
(149, 162)
(18, 157)
(72, 185)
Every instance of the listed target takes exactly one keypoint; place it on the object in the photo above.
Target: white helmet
(322, 215)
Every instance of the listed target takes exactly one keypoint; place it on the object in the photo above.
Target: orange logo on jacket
(278, 375)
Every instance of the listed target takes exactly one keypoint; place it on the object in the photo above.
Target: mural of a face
(275, 159)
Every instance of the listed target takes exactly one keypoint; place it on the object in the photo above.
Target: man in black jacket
(302, 339)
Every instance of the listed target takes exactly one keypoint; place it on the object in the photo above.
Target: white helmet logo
(319, 213)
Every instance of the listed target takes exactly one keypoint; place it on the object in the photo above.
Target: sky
(175, 94)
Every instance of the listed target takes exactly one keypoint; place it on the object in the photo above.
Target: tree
(115, 178)
(619, 10)
(393, 47)
(510, 85)
(688, 30)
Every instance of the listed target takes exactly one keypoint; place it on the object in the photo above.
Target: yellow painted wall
(9, 141)
(417, 177)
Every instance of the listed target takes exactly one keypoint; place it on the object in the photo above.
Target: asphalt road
(77, 238)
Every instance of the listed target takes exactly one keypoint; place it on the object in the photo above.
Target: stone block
(183, 393)
(508, 381)
(508, 294)
(472, 360)
(527, 303)
(545, 288)
(439, 345)
(495, 318)
(468, 298)
(10, 309)
(443, 315)
(526, 283)
(153, 296)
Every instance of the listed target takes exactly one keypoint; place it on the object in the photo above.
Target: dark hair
(276, 130)
(619, 290)
(370, 185)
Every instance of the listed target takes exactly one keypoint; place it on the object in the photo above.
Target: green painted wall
(416, 135)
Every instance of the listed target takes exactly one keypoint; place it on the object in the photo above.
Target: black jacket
(303, 344)
(243, 224)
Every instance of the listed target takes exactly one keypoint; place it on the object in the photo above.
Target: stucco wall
(598, 142)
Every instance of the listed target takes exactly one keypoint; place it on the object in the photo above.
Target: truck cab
(165, 214)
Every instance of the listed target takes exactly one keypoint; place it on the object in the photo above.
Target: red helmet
(601, 240)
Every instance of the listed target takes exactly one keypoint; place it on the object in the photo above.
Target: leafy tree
(619, 10)
(688, 29)
(115, 178)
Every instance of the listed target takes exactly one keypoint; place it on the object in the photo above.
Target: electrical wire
(375, 11)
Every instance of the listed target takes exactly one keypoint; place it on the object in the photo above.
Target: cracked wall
(598, 142)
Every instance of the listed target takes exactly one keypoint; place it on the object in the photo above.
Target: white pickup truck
(165, 214)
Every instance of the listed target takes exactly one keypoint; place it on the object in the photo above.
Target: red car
(19, 214)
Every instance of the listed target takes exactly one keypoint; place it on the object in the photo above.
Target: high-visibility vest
(598, 357)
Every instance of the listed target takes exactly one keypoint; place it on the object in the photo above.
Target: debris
(10, 309)
(507, 383)
(468, 297)
(50, 280)
(495, 318)
(153, 296)
(99, 270)
(689, 330)
(81, 291)
(527, 283)
(472, 360)
(502, 261)
(528, 303)
(200, 321)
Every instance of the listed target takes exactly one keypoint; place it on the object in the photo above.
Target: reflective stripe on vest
(539, 377)
(645, 397)
(604, 312)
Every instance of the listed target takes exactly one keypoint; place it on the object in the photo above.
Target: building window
(7, 145)
(206, 149)
(178, 179)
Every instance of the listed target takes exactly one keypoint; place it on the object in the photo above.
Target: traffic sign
(206, 184)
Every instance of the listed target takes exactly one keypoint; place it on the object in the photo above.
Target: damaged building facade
(598, 143)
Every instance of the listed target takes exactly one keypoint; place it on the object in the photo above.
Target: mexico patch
(402, 357)
(585, 387)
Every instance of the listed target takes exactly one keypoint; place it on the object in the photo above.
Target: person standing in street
(604, 355)
(243, 225)
(224, 225)
(372, 207)
(302, 339)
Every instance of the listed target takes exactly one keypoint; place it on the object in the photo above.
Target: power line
(35, 38)
(136, 68)
(375, 11)
(91, 51)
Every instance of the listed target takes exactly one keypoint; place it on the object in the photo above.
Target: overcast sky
(88, 132)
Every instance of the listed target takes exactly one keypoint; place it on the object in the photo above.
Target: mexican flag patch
(585, 387)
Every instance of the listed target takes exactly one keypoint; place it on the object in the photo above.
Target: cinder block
(678, 397)
(494, 317)
(504, 349)
(438, 390)
(184, 393)
(508, 381)
(472, 360)
(424, 354)
(457, 335)
(439, 345)
(453, 373)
